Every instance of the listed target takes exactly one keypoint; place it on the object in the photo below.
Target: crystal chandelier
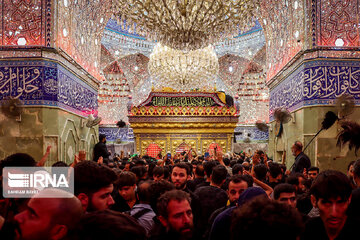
(184, 71)
(187, 24)
(113, 95)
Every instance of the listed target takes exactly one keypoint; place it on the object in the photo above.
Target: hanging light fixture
(187, 24)
(183, 71)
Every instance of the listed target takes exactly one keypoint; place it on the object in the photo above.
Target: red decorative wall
(338, 19)
(25, 22)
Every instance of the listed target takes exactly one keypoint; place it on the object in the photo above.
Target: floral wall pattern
(25, 22)
(337, 23)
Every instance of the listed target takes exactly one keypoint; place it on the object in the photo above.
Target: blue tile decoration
(251, 132)
(317, 82)
(74, 94)
(114, 133)
(122, 28)
(46, 83)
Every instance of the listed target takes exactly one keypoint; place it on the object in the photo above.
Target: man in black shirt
(301, 160)
(100, 149)
(331, 194)
(212, 197)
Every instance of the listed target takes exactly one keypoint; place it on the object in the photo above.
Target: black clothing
(192, 184)
(273, 184)
(159, 233)
(195, 207)
(203, 184)
(100, 150)
(354, 207)
(120, 204)
(315, 230)
(301, 161)
(212, 198)
(213, 216)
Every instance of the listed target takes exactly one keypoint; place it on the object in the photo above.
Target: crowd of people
(189, 196)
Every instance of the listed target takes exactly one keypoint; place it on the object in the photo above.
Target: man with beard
(48, 218)
(175, 215)
(93, 185)
(180, 175)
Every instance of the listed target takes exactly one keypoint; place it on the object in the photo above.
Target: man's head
(194, 164)
(313, 172)
(285, 193)
(218, 175)
(127, 166)
(296, 148)
(180, 175)
(126, 185)
(140, 172)
(17, 160)
(102, 138)
(237, 185)
(261, 154)
(262, 218)
(157, 189)
(143, 192)
(237, 169)
(260, 172)
(297, 180)
(275, 172)
(108, 224)
(226, 161)
(199, 171)
(208, 166)
(175, 214)
(331, 194)
(158, 173)
(246, 165)
(94, 185)
(256, 158)
(48, 218)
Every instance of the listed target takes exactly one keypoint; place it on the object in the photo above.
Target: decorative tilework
(251, 132)
(122, 29)
(338, 19)
(25, 20)
(317, 82)
(114, 133)
(25, 80)
(75, 95)
(46, 83)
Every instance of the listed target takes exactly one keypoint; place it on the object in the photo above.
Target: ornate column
(313, 58)
(46, 63)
